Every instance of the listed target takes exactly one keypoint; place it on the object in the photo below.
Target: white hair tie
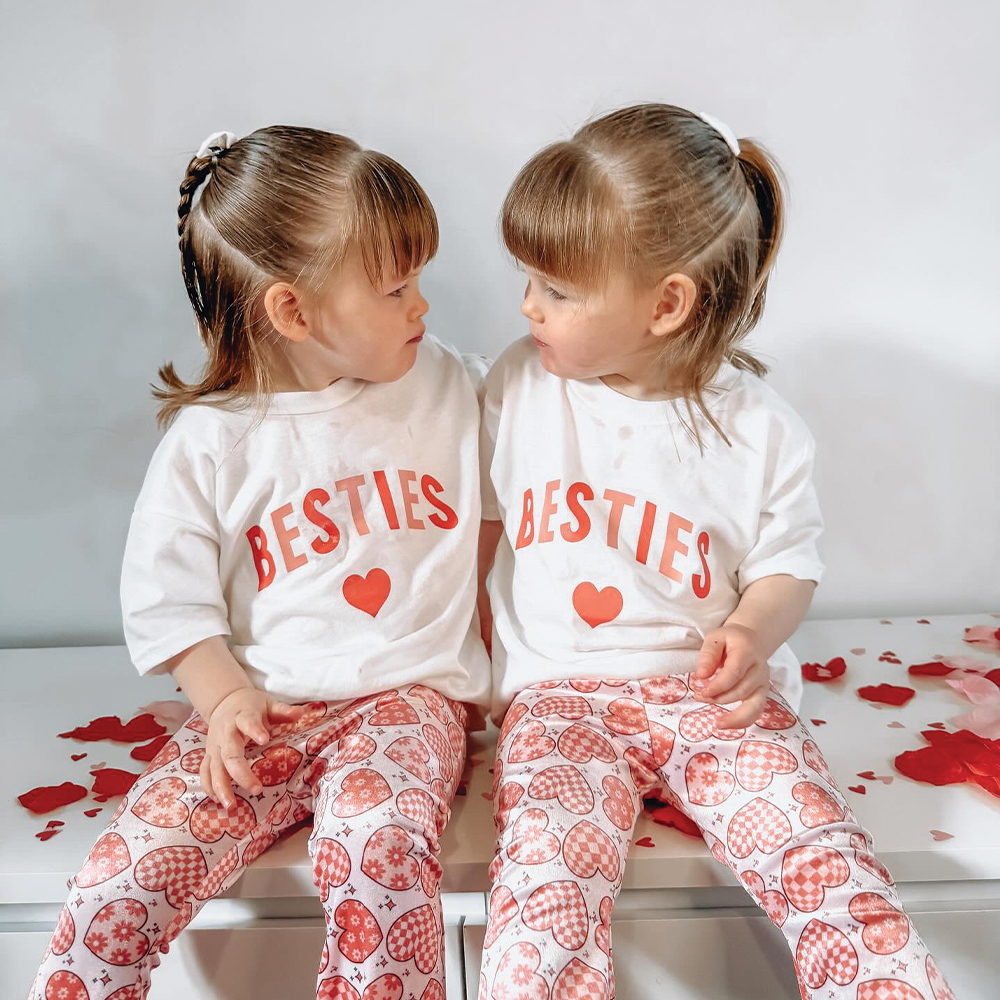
(217, 140)
(723, 129)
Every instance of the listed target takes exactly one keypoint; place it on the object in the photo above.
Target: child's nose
(420, 308)
(529, 309)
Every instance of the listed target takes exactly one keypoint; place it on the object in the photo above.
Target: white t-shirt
(623, 545)
(333, 542)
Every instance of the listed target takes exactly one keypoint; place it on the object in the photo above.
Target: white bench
(683, 927)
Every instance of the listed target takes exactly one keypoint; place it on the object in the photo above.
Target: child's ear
(675, 298)
(282, 302)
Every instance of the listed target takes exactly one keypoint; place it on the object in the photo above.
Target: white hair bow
(218, 140)
(723, 129)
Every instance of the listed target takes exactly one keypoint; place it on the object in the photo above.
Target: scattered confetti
(149, 750)
(935, 668)
(923, 621)
(886, 694)
(48, 797)
(983, 635)
(860, 789)
(669, 815)
(818, 722)
(860, 651)
(91, 812)
(896, 725)
(54, 822)
(941, 835)
(886, 779)
(644, 842)
(889, 657)
(110, 727)
(46, 834)
(953, 758)
(112, 781)
(77, 756)
(824, 672)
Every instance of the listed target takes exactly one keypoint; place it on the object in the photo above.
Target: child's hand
(731, 667)
(244, 714)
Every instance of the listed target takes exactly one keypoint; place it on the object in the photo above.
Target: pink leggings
(574, 759)
(377, 774)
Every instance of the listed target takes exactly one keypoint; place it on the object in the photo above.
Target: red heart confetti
(91, 812)
(860, 789)
(669, 815)
(867, 775)
(818, 722)
(937, 725)
(923, 621)
(109, 727)
(941, 835)
(54, 822)
(77, 756)
(895, 725)
(824, 672)
(110, 781)
(48, 797)
(886, 694)
(644, 842)
(45, 834)
(150, 750)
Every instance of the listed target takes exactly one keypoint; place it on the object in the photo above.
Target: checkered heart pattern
(169, 848)
(767, 807)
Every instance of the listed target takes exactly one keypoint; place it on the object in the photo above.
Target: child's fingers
(235, 760)
(281, 712)
(221, 783)
(732, 671)
(252, 727)
(710, 657)
(741, 690)
(748, 712)
(205, 776)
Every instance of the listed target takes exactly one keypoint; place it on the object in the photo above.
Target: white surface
(880, 318)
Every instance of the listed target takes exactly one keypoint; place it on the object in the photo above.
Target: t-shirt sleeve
(477, 366)
(489, 424)
(171, 593)
(790, 521)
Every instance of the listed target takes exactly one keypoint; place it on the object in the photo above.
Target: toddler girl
(657, 524)
(301, 558)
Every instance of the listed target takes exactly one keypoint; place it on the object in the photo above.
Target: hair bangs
(563, 218)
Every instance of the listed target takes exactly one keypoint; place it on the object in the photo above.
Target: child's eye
(554, 294)
(398, 293)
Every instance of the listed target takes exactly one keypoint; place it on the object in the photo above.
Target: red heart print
(65, 933)
(63, 985)
(211, 820)
(558, 907)
(441, 749)
(114, 934)
(277, 813)
(133, 992)
(663, 690)
(503, 909)
(757, 762)
(939, 985)
(530, 842)
(430, 876)
(808, 871)
(642, 767)
(108, 857)
(276, 764)
(391, 710)
(626, 717)
(456, 738)
(516, 977)
(361, 790)
(434, 701)
(580, 743)
(565, 783)
(824, 952)
(361, 934)
(597, 607)
(758, 824)
(388, 858)
(566, 706)
(699, 724)
(160, 805)
(415, 934)
(314, 712)
(510, 795)
(618, 805)
(515, 713)
(812, 756)
(191, 761)
(352, 749)
(419, 806)
(578, 979)
(707, 785)
(178, 870)
(198, 724)
(368, 593)
(886, 928)
(337, 730)
(531, 743)
(661, 742)
(894, 989)
(772, 902)
(390, 987)
(863, 856)
(775, 716)
(331, 865)
(587, 849)
(387, 987)
(411, 755)
(819, 807)
(169, 752)
(585, 685)
(602, 933)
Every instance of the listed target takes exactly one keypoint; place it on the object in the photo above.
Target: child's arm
(769, 611)
(233, 709)
(489, 538)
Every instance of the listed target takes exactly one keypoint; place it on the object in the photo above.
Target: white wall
(881, 320)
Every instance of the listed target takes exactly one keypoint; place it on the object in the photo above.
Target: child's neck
(303, 366)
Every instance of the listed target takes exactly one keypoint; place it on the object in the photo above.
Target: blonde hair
(652, 190)
(282, 203)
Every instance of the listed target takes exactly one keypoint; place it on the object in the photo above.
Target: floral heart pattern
(617, 804)
(360, 791)
(115, 934)
(626, 716)
(531, 743)
(707, 784)
(161, 806)
(516, 977)
(63, 985)
(772, 902)
(503, 909)
(108, 857)
(886, 928)
(276, 765)
(819, 807)
(361, 934)
(388, 858)
(530, 842)
(411, 755)
(391, 710)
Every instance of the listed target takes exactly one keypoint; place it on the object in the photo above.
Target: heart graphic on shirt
(597, 607)
(808, 871)
(757, 762)
(108, 857)
(331, 865)
(368, 593)
(530, 842)
(886, 928)
(361, 932)
(759, 824)
(558, 907)
(276, 765)
(824, 951)
(411, 755)
(361, 790)
(579, 743)
(587, 850)
(415, 934)
(772, 902)
(388, 858)
(211, 820)
(114, 934)
(565, 783)
(818, 805)
(160, 805)
(706, 784)
(503, 909)
(530, 744)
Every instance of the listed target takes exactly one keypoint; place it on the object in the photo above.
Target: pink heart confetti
(941, 835)
(859, 651)
(896, 725)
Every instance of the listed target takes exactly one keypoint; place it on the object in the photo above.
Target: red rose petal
(110, 727)
(932, 669)
(931, 765)
(45, 798)
(886, 694)
(111, 781)
(150, 750)
(824, 672)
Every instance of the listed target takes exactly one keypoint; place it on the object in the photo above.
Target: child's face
(588, 335)
(371, 332)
